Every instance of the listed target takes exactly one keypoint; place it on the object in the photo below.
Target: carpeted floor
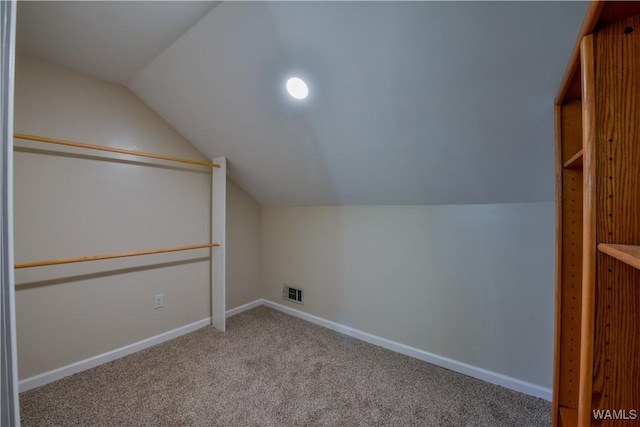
(275, 370)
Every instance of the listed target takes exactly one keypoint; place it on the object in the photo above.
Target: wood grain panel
(571, 129)
(573, 91)
(599, 14)
(589, 228)
(571, 288)
(570, 85)
(568, 417)
(555, 404)
(616, 10)
(616, 370)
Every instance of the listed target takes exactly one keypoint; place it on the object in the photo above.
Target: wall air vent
(292, 294)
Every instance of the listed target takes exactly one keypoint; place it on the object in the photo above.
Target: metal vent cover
(290, 293)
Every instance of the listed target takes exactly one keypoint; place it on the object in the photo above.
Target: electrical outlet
(158, 301)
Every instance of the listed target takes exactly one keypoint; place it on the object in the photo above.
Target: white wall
(244, 250)
(86, 204)
(473, 283)
(470, 282)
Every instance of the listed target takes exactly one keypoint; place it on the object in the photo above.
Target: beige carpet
(275, 370)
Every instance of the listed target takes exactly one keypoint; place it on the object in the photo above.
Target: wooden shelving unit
(597, 110)
(568, 417)
(574, 162)
(629, 254)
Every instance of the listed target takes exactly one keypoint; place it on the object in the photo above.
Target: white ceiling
(112, 40)
(411, 102)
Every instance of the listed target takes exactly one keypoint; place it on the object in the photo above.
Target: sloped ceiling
(410, 102)
(111, 40)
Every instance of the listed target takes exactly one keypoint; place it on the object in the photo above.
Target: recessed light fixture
(297, 88)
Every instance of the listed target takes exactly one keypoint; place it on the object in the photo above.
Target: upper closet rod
(112, 149)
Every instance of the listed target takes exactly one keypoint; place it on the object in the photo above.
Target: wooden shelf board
(575, 162)
(629, 254)
(568, 417)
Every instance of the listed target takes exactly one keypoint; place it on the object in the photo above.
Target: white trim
(244, 307)
(454, 365)
(218, 233)
(9, 400)
(92, 362)
(445, 362)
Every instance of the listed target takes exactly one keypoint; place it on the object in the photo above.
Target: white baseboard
(92, 362)
(244, 307)
(453, 365)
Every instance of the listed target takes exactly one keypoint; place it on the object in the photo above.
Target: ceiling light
(297, 88)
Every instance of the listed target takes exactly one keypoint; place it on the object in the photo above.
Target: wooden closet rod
(111, 256)
(112, 149)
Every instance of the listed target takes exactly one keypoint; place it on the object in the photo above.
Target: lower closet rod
(111, 256)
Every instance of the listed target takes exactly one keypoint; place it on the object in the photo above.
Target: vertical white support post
(218, 230)
(9, 407)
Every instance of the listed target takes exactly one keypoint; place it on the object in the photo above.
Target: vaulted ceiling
(410, 102)
(107, 39)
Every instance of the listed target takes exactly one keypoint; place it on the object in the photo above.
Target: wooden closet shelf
(629, 254)
(568, 417)
(575, 162)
